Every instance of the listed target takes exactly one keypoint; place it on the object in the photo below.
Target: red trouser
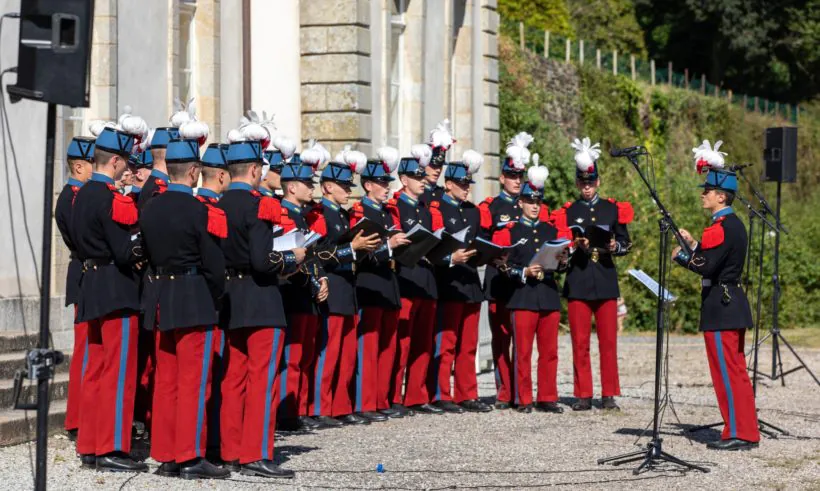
(376, 352)
(529, 326)
(415, 344)
(580, 325)
(326, 366)
(76, 371)
(501, 342)
(727, 363)
(297, 366)
(109, 385)
(146, 364)
(250, 393)
(456, 343)
(343, 391)
(182, 389)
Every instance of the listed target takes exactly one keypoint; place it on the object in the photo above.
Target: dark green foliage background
(619, 112)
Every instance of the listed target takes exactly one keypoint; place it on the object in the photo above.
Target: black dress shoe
(232, 465)
(354, 419)
(476, 406)
(309, 423)
(328, 422)
(202, 469)
(732, 444)
(526, 409)
(119, 462)
(373, 416)
(609, 404)
(548, 407)
(584, 404)
(502, 405)
(392, 413)
(427, 409)
(287, 424)
(168, 469)
(88, 461)
(266, 468)
(403, 409)
(449, 406)
(72, 434)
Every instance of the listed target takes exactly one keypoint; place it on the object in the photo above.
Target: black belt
(172, 272)
(90, 264)
(706, 283)
(237, 272)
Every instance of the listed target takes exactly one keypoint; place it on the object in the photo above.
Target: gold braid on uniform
(326, 255)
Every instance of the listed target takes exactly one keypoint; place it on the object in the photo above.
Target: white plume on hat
(267, 123)
(252, 131)
(195, 130)
(389, 157)
(145, 144)
(472, 160)
(98, 125)
(235, 136)
(422, 153)
(341, 155)
(315, 154)
(441, 136)
(133, 125)
(355, 159)
(707, 157)
(537, 174)
(586, 154)
(517, 150)
(284, 145)
(182, 113)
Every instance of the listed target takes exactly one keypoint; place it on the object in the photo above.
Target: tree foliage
(550, 15)
(608, 24)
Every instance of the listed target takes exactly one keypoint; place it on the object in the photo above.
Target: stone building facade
(362, 72)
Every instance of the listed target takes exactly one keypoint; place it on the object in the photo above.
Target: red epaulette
(162, 186)
(255, 193)
(625, 211)
(74, 189)
(544, 213)
(435, 213)
(567, 205)
(270, 209)
(393, 209)
(488, 200)
(217, 222)
(285, 221)
(356, 213)
(317, 223)
(713, 235)
(398, 193)
(502, 235)
(485, 215)
(558, 218)
(123, 208)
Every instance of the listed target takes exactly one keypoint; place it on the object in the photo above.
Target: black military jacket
(338, 259)
(719, 258)
(497, 212)
(460, 282)
(376, 283)
(62, 215)
(528, 293)
(592, 274)
(418, 281)
(252, 296)
(430, 194)
(103, 229)
(155, 185)
(298, 290)
(186, 279)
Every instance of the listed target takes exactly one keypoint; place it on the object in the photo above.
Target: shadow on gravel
(283, 453)
(703, 436)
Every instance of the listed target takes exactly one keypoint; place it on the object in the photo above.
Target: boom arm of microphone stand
(755, 212)
(764, 204)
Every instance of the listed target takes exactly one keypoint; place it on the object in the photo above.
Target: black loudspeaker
(55, 52)
(780, 155)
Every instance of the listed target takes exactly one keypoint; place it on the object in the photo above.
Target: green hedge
(619, 112)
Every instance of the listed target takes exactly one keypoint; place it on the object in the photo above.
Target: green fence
(562, 48)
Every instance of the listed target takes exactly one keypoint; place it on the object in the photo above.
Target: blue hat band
(456, 171)
(214, 156)
(275, 159)
(81, 148)
(411, 167)
(528, 191)
(163, 136)
(244, 152)
(508, 168)
(182, 151)
(725, 181)
(115, 141)
(297, 172)
(337, 173)
(375, 171)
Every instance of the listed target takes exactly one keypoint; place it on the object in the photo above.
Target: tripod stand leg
(644, 465)
(695, 429)
(800, 360)
(624, 458)
(669, 458)
(769, 425)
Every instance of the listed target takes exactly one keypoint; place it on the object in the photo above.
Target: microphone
(620, 152)
(734, 168)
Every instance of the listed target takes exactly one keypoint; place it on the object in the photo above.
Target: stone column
(489, 35)
(336, 73)
(206, 65)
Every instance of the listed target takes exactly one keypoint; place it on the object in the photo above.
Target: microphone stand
(774, 331)
(654, 451)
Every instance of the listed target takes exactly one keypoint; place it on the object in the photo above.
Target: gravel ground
(504, 449)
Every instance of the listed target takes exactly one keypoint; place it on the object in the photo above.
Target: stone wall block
(490, 69)
(349, 97)
(348, 39)
(337, 126)
(313, 40)
(335, 68)
(334, 12)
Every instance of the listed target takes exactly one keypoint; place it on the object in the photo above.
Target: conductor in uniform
(724, 314)
(591, 284)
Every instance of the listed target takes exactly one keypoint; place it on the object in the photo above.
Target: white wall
(275, 79)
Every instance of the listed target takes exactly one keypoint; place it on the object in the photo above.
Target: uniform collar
(135, 189)
(96, 176)
(526, 221)
(450, 200)
(722, 213)
(207, 193)
(160, 175)
(181, 188)
(591, 202)
(369, 202)
(407, 199)
(244, 186)
(75, 182)
(265, 191)
(329, 204)
(506, 197)
(292, 207)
